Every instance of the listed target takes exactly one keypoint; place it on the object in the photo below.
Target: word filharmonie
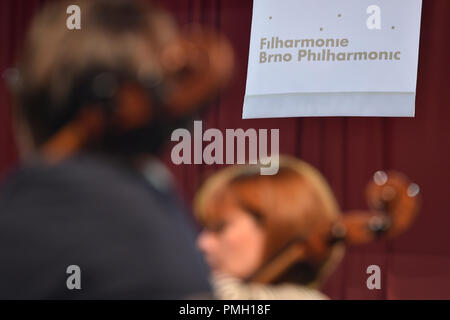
(322, 51)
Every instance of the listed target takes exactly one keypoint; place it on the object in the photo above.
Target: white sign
(333, 58)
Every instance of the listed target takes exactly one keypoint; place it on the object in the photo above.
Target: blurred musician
(280, 236)
(93, 106)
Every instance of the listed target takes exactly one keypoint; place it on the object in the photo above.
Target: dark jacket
(128, 239)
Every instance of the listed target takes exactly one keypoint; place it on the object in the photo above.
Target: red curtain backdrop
(347, 150)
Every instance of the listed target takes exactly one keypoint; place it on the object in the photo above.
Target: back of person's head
(109, 77)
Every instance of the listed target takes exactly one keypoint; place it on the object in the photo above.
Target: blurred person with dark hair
(92, 107)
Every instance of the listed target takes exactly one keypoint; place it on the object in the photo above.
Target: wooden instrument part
(393, 202)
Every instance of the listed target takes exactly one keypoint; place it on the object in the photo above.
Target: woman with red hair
(280, 236)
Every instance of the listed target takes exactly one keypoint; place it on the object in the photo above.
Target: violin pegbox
(395, 199)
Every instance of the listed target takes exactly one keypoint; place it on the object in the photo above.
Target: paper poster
(333, 58)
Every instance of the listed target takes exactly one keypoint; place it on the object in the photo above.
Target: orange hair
(289, 205)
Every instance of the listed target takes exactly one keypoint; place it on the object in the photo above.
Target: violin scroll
(393, 205)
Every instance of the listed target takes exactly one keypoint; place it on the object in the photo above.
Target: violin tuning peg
(338, 233)
(413, 190)
(380, 178)
(379, 224)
